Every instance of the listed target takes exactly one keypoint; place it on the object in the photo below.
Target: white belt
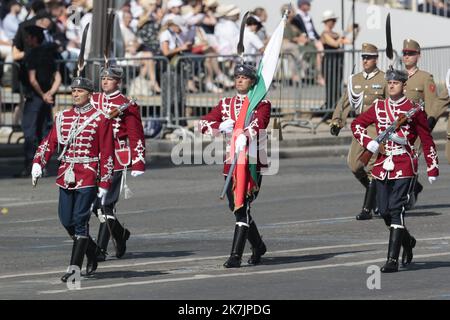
(79, 159)
(395, 152)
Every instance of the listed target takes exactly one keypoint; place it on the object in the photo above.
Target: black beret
(397, 75)
(83, 83)
(245, 70)
(112, 71)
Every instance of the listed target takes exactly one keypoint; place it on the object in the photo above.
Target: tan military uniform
(421, 86)
(368, 87)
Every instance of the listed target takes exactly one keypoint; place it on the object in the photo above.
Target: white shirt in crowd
(308, 24)
(173, 38)
(252, 44)
(10, 24)
(227, 35)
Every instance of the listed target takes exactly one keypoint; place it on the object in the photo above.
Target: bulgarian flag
(245, 175)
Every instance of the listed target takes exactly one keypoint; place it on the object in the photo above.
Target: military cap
(82, 83)
(369, 50)
(410, 45)
(397, 75)
(112, 72)
(245, 70)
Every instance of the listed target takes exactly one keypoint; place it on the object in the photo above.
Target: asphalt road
(182, 233)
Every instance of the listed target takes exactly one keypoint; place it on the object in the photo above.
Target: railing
(435, 7)
(11, 102)
(192, 85)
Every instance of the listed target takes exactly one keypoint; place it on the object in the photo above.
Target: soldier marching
(397, 161)
(363, 89)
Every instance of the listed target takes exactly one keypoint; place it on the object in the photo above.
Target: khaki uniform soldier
(420, 86)
(363, 89)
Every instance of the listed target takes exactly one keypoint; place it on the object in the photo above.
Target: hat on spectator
(82, 83)
(178, 20)
(253, 21)
(115, 72)
(211, 3)
(369, 50)
(146, 3)
(410, 45)
(301, 2)
(329, 15)
(174, 3)
(245, 69)
(397, 75)
(227, 10)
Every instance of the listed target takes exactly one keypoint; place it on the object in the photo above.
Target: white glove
(36, 171)
(135, 173)
(227, 126)
(373, 146)
(102, 192)
(432, 179)
(241, 142)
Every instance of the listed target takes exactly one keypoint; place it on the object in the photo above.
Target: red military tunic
(129, 140)
(88, 154)
(229, 108)
(403, 156)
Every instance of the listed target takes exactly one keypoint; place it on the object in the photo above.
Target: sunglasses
(367, 57)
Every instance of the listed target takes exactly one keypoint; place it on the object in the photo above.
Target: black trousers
(243, 214)
(392, 196)
(112, 197)
(36, 124)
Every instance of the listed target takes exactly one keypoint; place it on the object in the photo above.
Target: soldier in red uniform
(129, 148)
(222, 119)
(397, 161)
(85, 137)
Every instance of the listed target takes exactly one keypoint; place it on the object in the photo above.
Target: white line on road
(184, 260)
(227, 275)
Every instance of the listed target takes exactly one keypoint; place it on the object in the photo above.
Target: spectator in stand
(303, 21)
(227, 28)
(333, 61)
(134, 48)
(173, 47)
(261, 15)
(10, 23)
(149, 26)
(252, 43)
(293, 40)
(43, 82)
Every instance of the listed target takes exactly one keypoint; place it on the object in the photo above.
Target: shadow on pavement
(307, 258)
(123, 274)
(155, 254)
(426, 265)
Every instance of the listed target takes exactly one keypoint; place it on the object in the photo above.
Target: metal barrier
(435, 61)
(11, 102)
(191, 85)
(320, 99)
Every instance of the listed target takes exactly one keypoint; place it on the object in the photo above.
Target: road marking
(184, 260)
(239, 274)
(27, 203)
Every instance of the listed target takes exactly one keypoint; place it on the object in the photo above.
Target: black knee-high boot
(258, 246)
(395, 242)
(79, 248)
(408, 243)
(237, 248)
(91, 254)
(121, 235)
(103, 239)
(369, 202)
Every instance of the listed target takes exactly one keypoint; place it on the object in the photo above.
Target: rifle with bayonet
(389, 133)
